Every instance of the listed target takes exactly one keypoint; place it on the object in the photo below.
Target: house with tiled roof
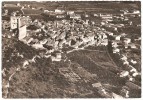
(127, 40)
(56, 57)
(116, 50)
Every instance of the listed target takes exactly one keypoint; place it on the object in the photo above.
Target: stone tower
(18, 23)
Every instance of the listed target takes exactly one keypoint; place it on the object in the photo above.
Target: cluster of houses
(123, 43)
(28, 10)
(120, 43)
(115, 22)
(131, 12)
(53, 36)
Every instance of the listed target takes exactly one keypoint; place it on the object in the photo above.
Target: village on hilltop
(56, 32)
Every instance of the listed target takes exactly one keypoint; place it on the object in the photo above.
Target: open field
(88, 67)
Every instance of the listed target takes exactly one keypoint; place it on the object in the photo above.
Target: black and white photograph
(71, 49)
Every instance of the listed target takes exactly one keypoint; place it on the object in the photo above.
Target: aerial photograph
(71, 49)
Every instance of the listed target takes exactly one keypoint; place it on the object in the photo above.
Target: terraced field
(71, 78)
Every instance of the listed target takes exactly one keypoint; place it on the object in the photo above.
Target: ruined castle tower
(18, 23)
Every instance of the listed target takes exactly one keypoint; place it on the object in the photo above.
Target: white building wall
(22, 32)
(13, 23)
